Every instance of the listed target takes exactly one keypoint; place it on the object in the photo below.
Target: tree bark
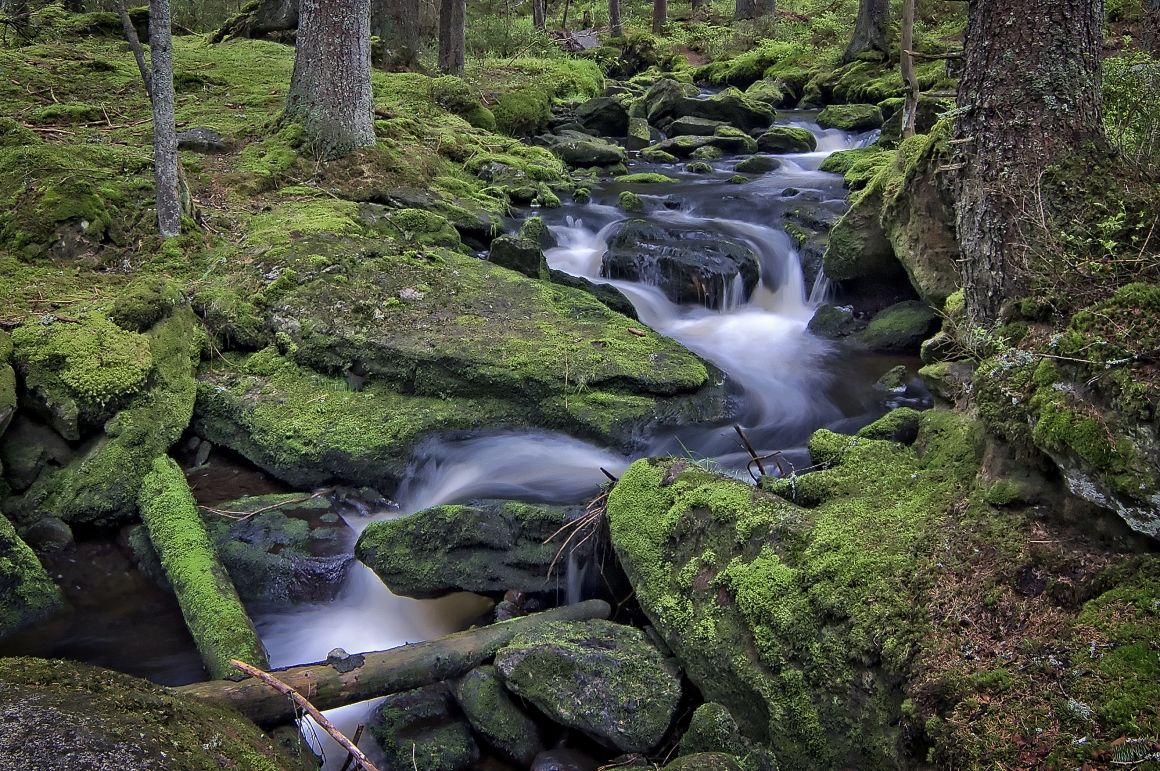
(135, 45)
(660, 16)
(399, 33)
(870, 30)
(538, 14)
(165, 174)
(614, 25)
(906, 61)
(1029, 96)
(381, 673)
(745, 9)
(452, 36)
(1151, 27)
(330, 91)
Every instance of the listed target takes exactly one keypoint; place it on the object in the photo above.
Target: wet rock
(535, 229)
(423, 729)
(27, 448)
(563, 759)
(99, 720)
(639, 134)
(758, 164)
(729, 106)
(205, 141)
(495, 716)
(949, 381)
(707, 761)
(727, 140)
(688, 264)
(602, 679)
(609, 295)
(894, 381)
(900, 328)
(663, 98)
(769, 91)
(833, 322)
(522, 255)
(699, 167)
(582, 153)
(713, 730)
(7, 396)
(630, 202)
(603, 115)
(851, 117)
(652, 153)
(28, 595)
(694, 127)
(787, 139)
(49, 535)
(486, 547)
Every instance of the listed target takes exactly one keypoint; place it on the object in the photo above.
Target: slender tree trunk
(699, 4)
(398, 25)
(165, 173)
(906, 60)
(330, 91)
(614, 18)
(538, 14)
(452, 36)
(870, 31)
(745, 9)
(1029, 96)
(1151, 25)
(660, 16)
(135, 45)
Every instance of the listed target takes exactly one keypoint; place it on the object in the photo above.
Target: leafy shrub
(1131, 93)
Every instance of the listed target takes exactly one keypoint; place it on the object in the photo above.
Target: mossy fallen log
(208, 600)
(364, 676)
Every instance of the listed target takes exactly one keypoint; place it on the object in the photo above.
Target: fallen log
(364, 676)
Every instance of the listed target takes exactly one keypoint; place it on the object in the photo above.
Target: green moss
(699, 167)
(851, 117)
(859, 167)
(13, 134)
(647, 178)
(209, 603)
(630, 202)
(144, 302)
(29, 594)
(898, 425)
(68, 114)
(522, 113)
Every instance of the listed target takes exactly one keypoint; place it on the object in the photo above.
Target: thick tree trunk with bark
(330, 91)
(538, 14)
(1029, 96)
(745, 9)
(365, 676)
(871, 31)
(660, 16)
(165, 174)
(1151, 27)
(614, 24)
(398, 28)
(452, 36)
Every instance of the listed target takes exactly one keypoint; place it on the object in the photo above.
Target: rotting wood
(380, 673)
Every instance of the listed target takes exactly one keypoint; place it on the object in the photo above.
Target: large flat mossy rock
(62, 716)
(795, 616)
(27, 594)
(485, 547)
(603, 679)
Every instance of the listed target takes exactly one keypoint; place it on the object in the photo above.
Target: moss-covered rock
(795, 619)
(522, 112)
(630, 202)
(707, 761)
(645, 178)
(113, 721)
(604, 115)
(486, 547)
(496, 718)
(787, 139)
(693, 127)
(758, 164)
(834, 322)
(851, 117)
(209, 602)
(520, 254)
(901, 327)
(769, 91)
(898, 425)
(713, 729)
(423, 728)
(639, 134)
(603, 679)
(28, 595)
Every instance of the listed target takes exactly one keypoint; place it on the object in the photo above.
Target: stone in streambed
(423, 729)
(758, 164)
(28, 595)
(496, 718)
(787, 139)
(603, 115)
(603, 679)
(694, 127)
(605, 293)
(713, 730)
(639, 136)
(851, 117)
(520, 254)
(900, 328)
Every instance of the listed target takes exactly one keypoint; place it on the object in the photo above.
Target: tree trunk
(266, 17)
(906, 61)
(1029, 96)
(365, 676)
(134, 42)
(165, 175)
(1151, 25)
(538, 14)
(699, 4)
(870, 31)
(452, 36)
(614, 18)
(660, 16)
(399, 33)
(746, 9)
(330, 91)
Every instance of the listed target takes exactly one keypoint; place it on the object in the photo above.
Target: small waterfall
(733, 294)
(822, 291)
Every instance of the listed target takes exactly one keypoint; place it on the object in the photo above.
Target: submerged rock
(495, 716)
(423, 729)
(486, 547)
(688, 264)
(603, 679)
(834, 321)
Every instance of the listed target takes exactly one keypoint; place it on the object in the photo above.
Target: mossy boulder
(520, 254)
(639, 135)
(423, 728)
(769, 91)
(663, 98)
(730, 106)
(425, 228)
(603, 679)
(630, 202)
(604, 115)
(859, 249)
(707, 761)
(522, 112)
(851, 117)
(486, 547)
(901, 327)
(100, 485)
(536, 230)
(758, 164)
(496, 717)
(7, 396)
(725, 140)
(113, 722)
(713, 730)
(693, 127)
(795, 617)
(28, 594)
(787, 139)
(833, 322)
(898, 425)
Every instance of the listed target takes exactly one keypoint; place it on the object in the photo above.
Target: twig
(358, 731)
(309, 709)
(749, 449)
(609, 474)
(242, 516)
